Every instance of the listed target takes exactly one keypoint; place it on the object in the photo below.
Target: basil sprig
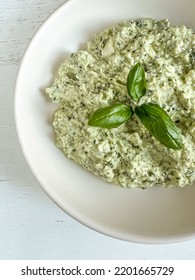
(160, 125)
(111, 116)
(152, 116)
(136, 82)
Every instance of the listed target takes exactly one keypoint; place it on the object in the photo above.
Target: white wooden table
(31, 225)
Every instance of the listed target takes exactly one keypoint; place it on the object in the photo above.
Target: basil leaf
(136, 83)
(160, 125)
(111, 116)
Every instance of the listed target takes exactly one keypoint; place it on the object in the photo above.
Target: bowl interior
(152, 215)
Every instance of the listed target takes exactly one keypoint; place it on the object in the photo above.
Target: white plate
(155, 215)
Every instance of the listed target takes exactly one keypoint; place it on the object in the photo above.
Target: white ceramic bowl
(154, 215)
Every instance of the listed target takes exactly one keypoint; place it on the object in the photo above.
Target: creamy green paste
(92, 78)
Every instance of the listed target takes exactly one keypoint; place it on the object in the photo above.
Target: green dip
(92, 78)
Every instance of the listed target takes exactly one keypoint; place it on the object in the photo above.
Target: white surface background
(31, 225)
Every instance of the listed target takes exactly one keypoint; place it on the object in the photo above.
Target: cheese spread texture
(95, 77)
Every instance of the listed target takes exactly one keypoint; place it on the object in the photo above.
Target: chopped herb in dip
(130, 154)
